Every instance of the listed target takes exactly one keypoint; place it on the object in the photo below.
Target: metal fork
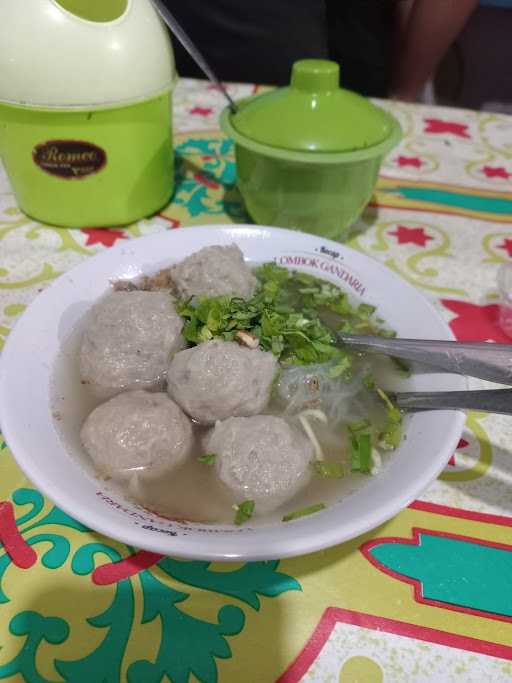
(488, 400)
(488, 361)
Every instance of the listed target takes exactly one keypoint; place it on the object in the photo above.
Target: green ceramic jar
(308, 155)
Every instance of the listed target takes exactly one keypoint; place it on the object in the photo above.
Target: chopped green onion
(391, 434)
(394, 414)
(304, 512)
(390, 437)
(369, 382)
(360, 426)
(385, 398)
(328, 470)
(361, 453)
(244, 512)
(402, 366)
(207, 459)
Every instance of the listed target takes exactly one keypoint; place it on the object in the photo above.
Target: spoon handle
(180, 34)
(488, 361)
(489, 401)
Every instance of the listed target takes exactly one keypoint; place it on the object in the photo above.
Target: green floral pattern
(188, 645)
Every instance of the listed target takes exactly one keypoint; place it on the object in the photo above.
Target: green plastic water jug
(85, 109)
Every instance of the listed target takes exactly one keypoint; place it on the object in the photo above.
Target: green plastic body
(134, 144)
(320, 193)
(321, 200)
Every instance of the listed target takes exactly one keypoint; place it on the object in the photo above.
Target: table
(427, 596)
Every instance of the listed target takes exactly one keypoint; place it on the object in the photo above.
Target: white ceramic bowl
(26, 410)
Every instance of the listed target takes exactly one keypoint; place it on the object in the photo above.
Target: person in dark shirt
(374, 41)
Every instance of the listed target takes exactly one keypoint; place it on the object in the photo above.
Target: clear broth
(193, 492)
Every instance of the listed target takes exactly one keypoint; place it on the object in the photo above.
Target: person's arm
(428, 28)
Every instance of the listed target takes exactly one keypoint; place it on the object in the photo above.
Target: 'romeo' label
(69, 158)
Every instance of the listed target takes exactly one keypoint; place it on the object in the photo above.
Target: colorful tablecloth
(427, 596)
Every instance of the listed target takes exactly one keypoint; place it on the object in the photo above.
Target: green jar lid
(313, 114)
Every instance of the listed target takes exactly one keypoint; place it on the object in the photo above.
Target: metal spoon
(179, 33)
(489, 401)
(488, 361)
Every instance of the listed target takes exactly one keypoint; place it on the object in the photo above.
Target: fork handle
(489, 401)
(489, 361)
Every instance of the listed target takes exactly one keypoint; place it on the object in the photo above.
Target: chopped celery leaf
(287, 315)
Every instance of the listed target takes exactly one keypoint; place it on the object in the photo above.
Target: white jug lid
(53, 57)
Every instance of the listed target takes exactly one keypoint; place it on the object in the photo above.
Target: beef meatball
(262, 458)
(220, 379)
(214, 271)
(128, 342)
(137, 432)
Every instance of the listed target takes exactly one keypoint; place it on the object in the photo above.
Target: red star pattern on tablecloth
(173, 222)
(440, 126)
(207, 182)
(415, 162)
(462, 444)
(507, 246)
(102, 236)
(496, 172)
(201, 111)
(476, 323)
(405, 235)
